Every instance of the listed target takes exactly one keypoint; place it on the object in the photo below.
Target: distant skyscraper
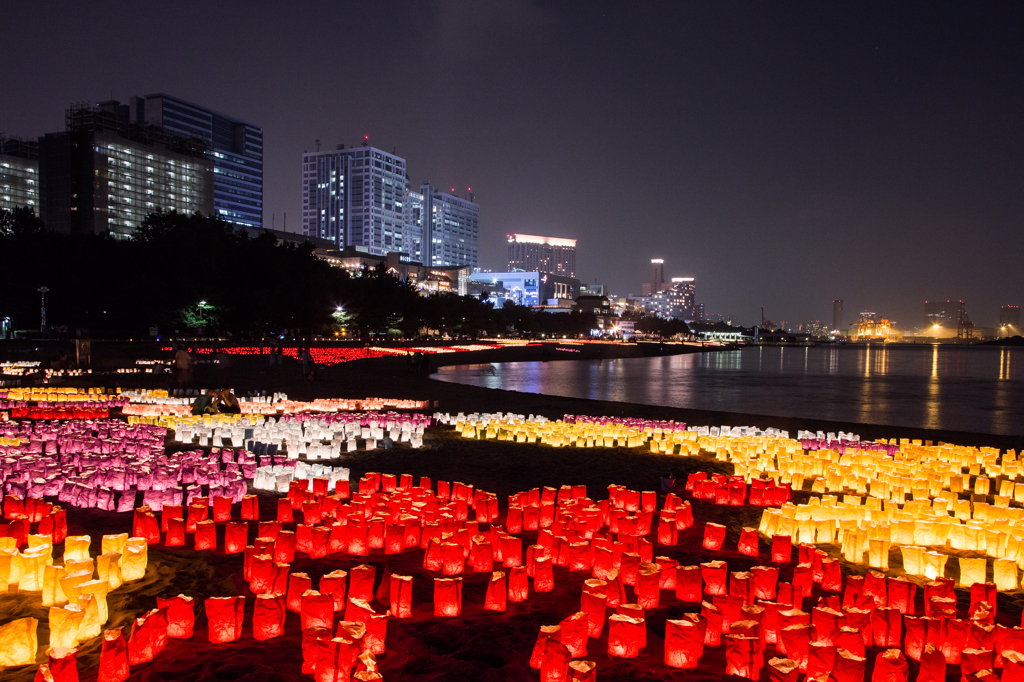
(355, 197)
(451, 228)
(676, 300)
(19, 174)
(837, 314)
(941, 313)
(553, 255)
(657, 280)
(1009, 316)
(698, 314)
(106, 174)
(235, 148)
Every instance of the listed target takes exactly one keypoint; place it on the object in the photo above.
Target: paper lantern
(315, 610)
(145, 525)
(544, 576)
(33, 569)
(974, 661)
(647, 588)
(825, 622)
(235, 537)
(518, 585)
(573, 633)
(615, 590)
(803, 580)
(782, 549)
(546, 632)
(554, 666)
(714, 536)
(593, 602)
(141, 643)
(298, 583)
(134, 562)
(796, 640)
(983, 593)
(108, 567)
(65, 623)
(890, 666)
(313, 639)
(901, 595)
(626, 636)
(874, 587)
(497, 593)
(76, 548)
(714, 618)
(284, 510)
(376, 633)
(447, 597)
(181, 616)
(821, 659)
(972, 571)
(740, 585)
(886, 625)
(684, 644)
(748, 542)
(52, 593)
(849, 667)
(98, 589)
(91, 625)
(224, 615)
(933, 665)
(250, 510)
(1004, 575)
(583, 671)
(783, 670)
(849, 639)
(334, 584)
(689, 585)
(206, 535)
(715, 574)
(113, 657)
(360, 582)
(197, 511)
(667, 577)
(452, 558)
(831, 576)
(916, 637)
(175, 533)
(981, 636)
(284, 547)
(740, 657)
(1013, 667)
(956, 640)
(629, 566)
(763, 582)
(399, 595)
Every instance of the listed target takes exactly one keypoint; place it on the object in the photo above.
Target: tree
(20, 222)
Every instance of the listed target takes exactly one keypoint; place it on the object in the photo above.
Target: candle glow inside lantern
(181, 617)
(748, 542)
(715, 575)
(224, 615)
(447, 597)
(65, 623)
(626, 636)
(714, 536)
(573, 632)
(684, 644)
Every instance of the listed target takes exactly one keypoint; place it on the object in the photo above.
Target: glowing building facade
(551, 255)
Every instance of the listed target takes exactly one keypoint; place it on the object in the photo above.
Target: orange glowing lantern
(684, 644)
(65, 624)
(447, 597)
(224, 615)
(134, 560)
(52, 593)
(113, 657)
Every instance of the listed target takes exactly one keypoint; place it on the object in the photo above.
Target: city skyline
(870, 160)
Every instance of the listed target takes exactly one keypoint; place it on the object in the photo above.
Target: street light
(42, 324)
(202, 320)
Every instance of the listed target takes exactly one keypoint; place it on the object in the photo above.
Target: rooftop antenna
(366, 140)
(318, 146)
(762, 316)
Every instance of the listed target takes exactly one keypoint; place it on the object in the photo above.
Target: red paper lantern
(181, 617)
(268, 616)
(311, 640)
(284, 547)
(518, 585)
(668, 534)
(763, 582)
(770, 621)
(315, 610)
(849, 639)
(740, 585)
(689, 586)
(748, 542)
(647, 588)
(573, 633)
(741, 657)
(796, 639)
(615, 591)
(554, 666)
(849, 667)
(714, 536)
(803, 580)
(916, 638)
(284, 510)
(976, 660)
(546, 632)
(298, 583)
(61, 664)
(453, 558)
(901, 595)
(206, 535)
(360, 582)
(497, 593)
(854, 590)
(684, 644)
(714, 618)
(593, 602)
(825, 622)
(890, 666)
(831, 576)
(860, 619)
(480, 558)
(113, 657)
(447, 597)
(235, 537)
(983, 592)
(715, 575)
(250, 508)
(141, 644)
(684, 516)
(629, 565)
(376, 633)
(175, 532)
(626, 636)
(933, 666)
(886, 624)
(400, 596)
(224, 615)
(667, 578)
(583, 671)
(198, 511)
(821, 659)
(874, 587)
(145, 525)
(783, 670)
(221, 509)
(544, 576)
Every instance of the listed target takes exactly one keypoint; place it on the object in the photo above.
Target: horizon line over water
(947, 387)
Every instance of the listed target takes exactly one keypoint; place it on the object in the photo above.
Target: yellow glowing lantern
(18, 642)
(70, 582)
(912, 559)
(934, 565)
(108, 567)
(924, 533)
(76, 548)
(956, 484)
(80, 565)
(8, 543)
(52, 594)
(974, 538)
(972, 571)
(98, 589)
(65, 622)
(33, 567)
(1004, 574)
(114, 543)
(36, 541)
(92, 626)
(6, 558)
(981, 485)
(878, 554)
(133, 562)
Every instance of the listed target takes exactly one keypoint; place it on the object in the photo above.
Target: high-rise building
(553, 255)
(355, 197)
(657, 280)
(698, 314)
(1009, 316)
(941, 314)
(19, 174)
(235, 148)
(837, 314)
(675, 301)
(451, 228)
(106, 173)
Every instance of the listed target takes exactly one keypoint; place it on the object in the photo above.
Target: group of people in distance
(213, 401)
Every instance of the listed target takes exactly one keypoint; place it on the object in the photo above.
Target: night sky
(784, 154)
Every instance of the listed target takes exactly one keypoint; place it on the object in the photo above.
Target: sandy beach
(479, 646)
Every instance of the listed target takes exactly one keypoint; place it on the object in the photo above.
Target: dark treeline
(251, 286)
